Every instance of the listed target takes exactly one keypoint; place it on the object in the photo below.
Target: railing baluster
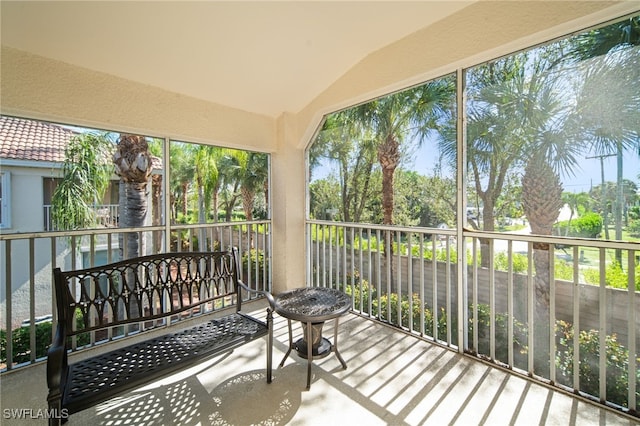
(54, 264)
(632, 312)
(369, 273)
(552, 314)
(324, 257)
(510, 301)
(74, 339)
(530, 309)
(360, 265)
(492, 302)
(576, 319)
(422, 283)
(399, 276)
(476, 346)
(449, 308)
(410, 278)
(9, 302)
(434, 276)
(602, 331)
(328, 284)
(378, 271)
(92, 295)
(32, 300)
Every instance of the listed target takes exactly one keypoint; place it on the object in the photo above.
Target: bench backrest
(145, 288)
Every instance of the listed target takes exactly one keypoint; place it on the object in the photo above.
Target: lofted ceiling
(264, 57)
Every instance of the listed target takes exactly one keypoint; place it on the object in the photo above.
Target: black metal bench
(141, 297)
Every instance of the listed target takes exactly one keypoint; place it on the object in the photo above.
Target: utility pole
(617, 207)
(603, 195)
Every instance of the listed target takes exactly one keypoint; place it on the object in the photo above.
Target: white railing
(437, 287)
(27, 261)
(106, 216)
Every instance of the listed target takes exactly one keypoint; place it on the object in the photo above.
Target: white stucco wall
(36, 87)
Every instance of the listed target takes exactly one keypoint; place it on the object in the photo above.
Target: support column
(288, 207)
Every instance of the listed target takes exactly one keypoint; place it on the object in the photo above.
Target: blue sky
(588, 174)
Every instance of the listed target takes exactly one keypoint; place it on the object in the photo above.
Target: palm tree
(252, 172)
(410, 115)
(345, 142)
(86, 174)
(609, 111)
(133, 163)
(182, 174)
(600, 41)
(499, 99)
(207, 174)
(609, 97)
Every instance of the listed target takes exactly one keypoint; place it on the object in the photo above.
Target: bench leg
(55, 409)
(269, 345)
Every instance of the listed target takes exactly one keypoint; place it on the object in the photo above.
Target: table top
(315, 304)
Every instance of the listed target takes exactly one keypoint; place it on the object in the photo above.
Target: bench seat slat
(104, 376)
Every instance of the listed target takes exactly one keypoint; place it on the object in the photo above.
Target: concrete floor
(391, 379)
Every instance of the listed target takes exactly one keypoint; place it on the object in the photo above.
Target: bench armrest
(57, 360)
(266, 294)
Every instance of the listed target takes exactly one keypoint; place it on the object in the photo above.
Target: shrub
(520, 262)
(518, 342)
(249, 260)
(617, 362)
(589, 225)
(563, 270)
(387, 307)
(614, 276)
(22, 341)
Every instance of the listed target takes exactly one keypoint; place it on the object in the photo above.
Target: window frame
(5, 200)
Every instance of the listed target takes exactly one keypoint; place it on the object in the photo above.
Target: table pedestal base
(319, 351)
(320, 346)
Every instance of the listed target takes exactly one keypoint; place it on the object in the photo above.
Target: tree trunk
(248, 197)
(133, 163)
(487, 225)
(389, 157)
(185, 200)
(134, 215)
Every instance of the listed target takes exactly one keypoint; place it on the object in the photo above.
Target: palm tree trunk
(133, 164)
(247, 205)
(133, 199)
(133, 211)
(185, 199)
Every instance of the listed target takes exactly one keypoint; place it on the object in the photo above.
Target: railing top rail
(219, 224)
(100, 231)
(415, 229)
(76, 233)
(557, 240)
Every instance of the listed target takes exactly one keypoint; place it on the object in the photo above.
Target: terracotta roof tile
(33, 140)
(22, 139)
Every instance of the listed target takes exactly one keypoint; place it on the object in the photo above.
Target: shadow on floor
(241, 400)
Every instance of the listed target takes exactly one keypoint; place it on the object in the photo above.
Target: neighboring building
(32, 154)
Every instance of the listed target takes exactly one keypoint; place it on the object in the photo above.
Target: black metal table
(312, 306)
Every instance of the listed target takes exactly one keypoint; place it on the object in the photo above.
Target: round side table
(312, 306)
